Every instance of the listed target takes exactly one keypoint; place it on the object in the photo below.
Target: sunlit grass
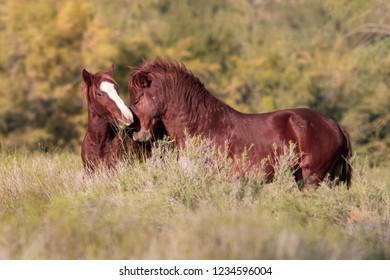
(186, 206)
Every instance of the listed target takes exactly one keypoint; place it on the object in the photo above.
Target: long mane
(175, 79)
(160, 66)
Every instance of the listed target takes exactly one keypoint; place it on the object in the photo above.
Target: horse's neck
(99, 130)
(200, 115)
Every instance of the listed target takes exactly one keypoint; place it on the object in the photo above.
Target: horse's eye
(100, 93)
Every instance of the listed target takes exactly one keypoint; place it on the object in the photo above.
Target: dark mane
(174, 77)
(161, 66)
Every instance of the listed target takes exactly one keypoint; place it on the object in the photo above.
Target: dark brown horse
(167, 91)
(106, 141)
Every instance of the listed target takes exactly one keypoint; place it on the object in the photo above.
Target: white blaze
(109, 88)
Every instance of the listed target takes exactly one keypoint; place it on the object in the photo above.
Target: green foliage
(186, 207)
(255, 55)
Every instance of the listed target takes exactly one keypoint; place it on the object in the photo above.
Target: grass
(182, 208)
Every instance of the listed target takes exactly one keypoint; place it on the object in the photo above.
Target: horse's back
(298, 125)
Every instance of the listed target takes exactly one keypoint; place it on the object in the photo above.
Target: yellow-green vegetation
(185, 206)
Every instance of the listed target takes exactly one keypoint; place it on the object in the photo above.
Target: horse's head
(101, 95)
(146, 101)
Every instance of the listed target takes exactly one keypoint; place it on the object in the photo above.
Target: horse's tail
(345, 174)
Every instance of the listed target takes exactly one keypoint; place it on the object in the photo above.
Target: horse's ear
(144, 79)
(87, 77)
(111, 69)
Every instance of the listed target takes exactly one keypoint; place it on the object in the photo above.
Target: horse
(106, 141)
(165, 90)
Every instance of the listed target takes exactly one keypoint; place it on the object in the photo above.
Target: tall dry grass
(177, 207)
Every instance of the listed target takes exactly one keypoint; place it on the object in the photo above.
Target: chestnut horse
(105, 141)
(167, 91)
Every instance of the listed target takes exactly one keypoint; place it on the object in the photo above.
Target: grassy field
(170, 208)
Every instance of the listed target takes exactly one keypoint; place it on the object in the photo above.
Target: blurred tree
(44, 46)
